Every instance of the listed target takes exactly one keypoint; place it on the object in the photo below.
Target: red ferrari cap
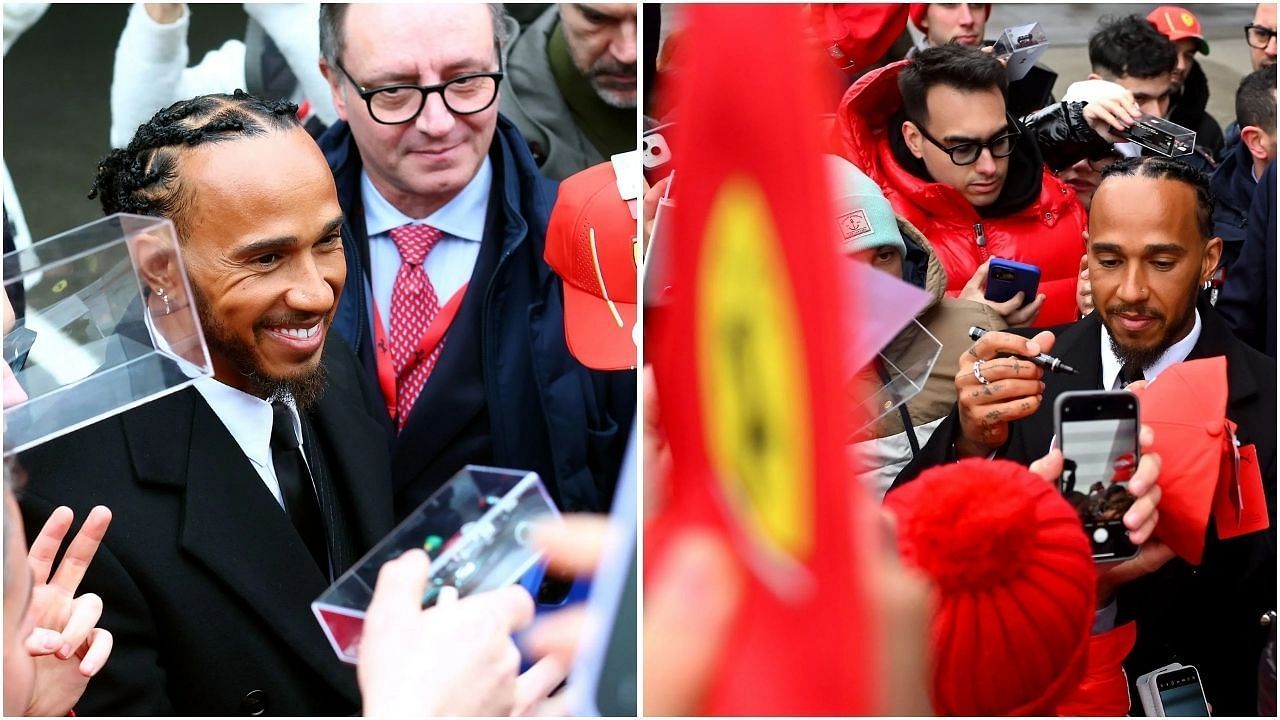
(1178, 23)
(591, 245)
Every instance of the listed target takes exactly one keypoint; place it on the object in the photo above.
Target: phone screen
(1098, 434)
(1180, 693)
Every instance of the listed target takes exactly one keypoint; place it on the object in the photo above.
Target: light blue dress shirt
(450, 262)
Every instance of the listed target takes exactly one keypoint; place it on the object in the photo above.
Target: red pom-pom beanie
(1014, 585)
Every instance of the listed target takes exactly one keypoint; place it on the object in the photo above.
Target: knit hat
(591, 245)
(864, 218)
(1178, 23)
(1014, 585)
(918, 11)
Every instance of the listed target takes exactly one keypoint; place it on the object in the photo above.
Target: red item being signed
(1198, 456)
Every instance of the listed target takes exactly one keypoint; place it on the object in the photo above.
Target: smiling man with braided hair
(238, 500)
(216, 554)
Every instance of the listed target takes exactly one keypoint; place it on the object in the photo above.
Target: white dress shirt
(1177, 352)
(249, 420)
(450, 262)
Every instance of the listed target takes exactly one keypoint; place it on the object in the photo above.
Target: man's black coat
(1206, 616)
(206, 586)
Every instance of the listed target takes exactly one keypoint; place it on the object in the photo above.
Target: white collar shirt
(249, 420)
(450, 263)
(1177, 352)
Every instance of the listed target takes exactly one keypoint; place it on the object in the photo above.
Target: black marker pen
(1048, 362)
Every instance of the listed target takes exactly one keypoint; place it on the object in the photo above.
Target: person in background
(1248, 299)
(571, 85)
(1190, 86)
(965, 24)
(450, 307)
(870, 233)
(1261, 38)
(934, 134)
(942, 23)
(275, 59)
(1132, 53)
(1234, 181)
(1261, 35)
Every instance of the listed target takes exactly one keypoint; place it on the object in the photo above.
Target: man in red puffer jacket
(933, 132)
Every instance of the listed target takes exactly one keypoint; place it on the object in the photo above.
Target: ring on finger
(977, 371)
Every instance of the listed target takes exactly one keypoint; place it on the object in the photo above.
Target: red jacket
(1046, 233)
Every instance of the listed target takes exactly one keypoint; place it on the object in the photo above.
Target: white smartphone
(1180, 693)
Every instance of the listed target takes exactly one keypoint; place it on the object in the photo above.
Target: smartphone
(1180, 692)
(655, 153)
(1006, 277)
(1098, 434)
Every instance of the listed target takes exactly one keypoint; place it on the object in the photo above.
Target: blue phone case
(1006, 277)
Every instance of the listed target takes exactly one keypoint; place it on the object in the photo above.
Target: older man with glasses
(450, 305)
(933, 131)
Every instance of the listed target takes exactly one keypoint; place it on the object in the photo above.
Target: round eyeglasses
(967, 153)
(401, 103)
(1258, 36)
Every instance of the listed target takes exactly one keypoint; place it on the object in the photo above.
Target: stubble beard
(306, 387)
(1145, 357)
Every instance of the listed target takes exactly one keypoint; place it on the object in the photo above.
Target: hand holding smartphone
(1098, 434)
(1005, 278)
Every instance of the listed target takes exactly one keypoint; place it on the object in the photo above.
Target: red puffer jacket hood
(1046, 233)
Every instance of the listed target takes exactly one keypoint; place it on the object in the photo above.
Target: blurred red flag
(747, 369)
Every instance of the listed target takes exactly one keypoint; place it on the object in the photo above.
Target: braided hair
(1159, 168)
(142, 178)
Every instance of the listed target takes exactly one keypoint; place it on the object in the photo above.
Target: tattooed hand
(1013, 389)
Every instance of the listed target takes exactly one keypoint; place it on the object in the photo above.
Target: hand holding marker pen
(1048, 362)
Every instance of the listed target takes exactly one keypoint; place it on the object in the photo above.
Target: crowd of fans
(366, 236)
(372, 189)
(941, 162)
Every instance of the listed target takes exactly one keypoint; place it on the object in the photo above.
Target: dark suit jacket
(1206, 616)
(206, 585)
(1248, 300)
(536, 407)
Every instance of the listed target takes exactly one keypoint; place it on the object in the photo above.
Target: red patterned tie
(414, 304)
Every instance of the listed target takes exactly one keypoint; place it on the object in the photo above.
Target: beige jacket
(885, 448)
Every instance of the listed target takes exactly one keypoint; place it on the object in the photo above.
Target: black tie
(295, 484)
(1130, 373)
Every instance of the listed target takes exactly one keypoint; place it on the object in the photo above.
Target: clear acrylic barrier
(104, 323)
(907, 364)
(476, 531)
(1020, 47)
